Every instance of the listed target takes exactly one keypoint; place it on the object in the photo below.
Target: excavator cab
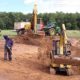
(56, 49)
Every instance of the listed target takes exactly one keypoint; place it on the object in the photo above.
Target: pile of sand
(44, 50)
(29, 38)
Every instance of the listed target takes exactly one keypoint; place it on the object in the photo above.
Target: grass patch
(10, 33)
(73, 33)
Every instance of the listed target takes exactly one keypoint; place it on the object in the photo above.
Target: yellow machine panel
(27, 26)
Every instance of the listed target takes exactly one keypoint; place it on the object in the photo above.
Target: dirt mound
(75, 48)
(44, 50)
(26, 40)
(74, 41)
(44, 43)
(29, 38)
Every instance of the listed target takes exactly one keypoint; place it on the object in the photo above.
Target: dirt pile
(73, 41)
(44, 44)
(44, 50)
(29, 38)
(75, 48)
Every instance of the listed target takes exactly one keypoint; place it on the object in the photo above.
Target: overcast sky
(26, 6)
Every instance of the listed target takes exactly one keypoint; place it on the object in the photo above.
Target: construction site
(40, 55)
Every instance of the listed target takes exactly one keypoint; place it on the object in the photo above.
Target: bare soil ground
(26, 66)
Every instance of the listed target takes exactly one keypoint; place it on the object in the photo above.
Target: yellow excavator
(61, 49)
(22, 27)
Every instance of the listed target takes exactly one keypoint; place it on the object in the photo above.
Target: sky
(49, 6)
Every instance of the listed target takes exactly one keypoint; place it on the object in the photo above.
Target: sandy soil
(26, 66)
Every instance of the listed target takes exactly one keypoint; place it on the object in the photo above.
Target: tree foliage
(71, 20)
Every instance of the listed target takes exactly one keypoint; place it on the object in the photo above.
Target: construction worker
(8, 48)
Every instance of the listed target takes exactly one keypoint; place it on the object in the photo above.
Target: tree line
(71, 20)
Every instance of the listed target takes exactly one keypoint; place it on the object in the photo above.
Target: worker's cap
(5, 36)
